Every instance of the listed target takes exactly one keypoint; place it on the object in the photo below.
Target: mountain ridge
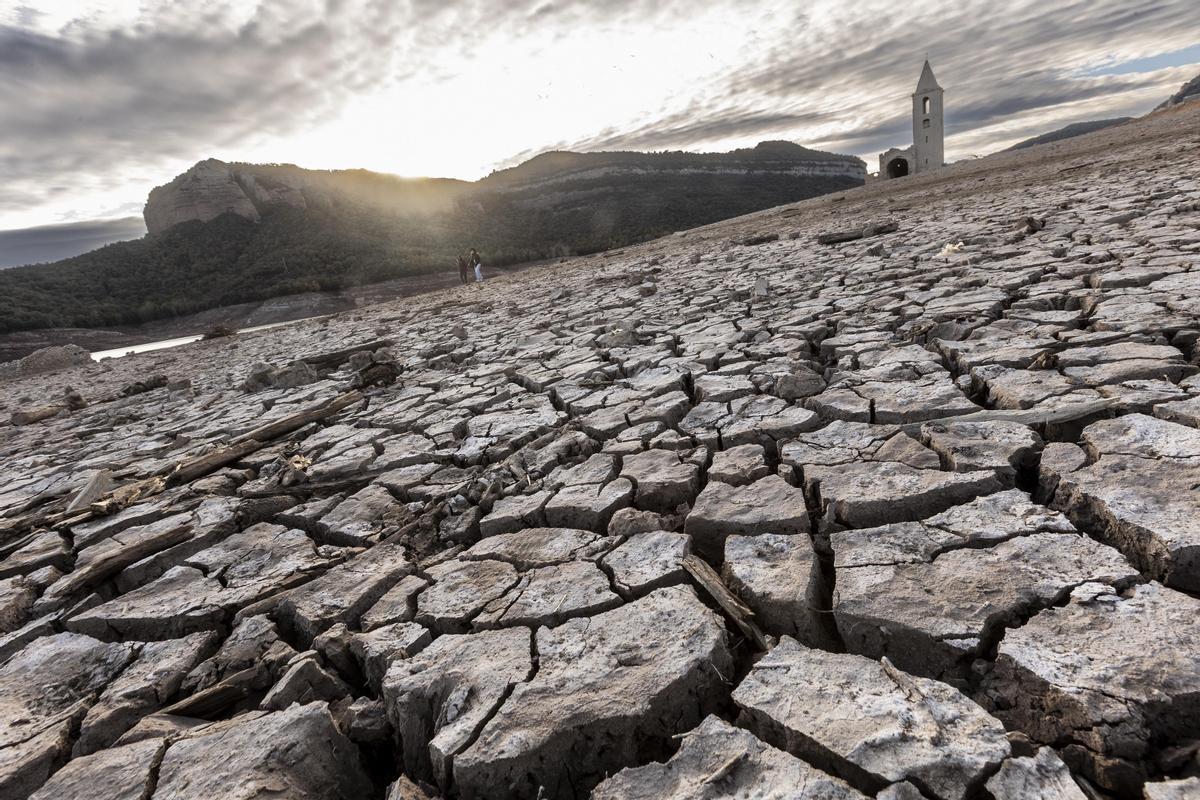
(1187, 92)
(226, 233)
(565, 162)
(212, 187)
(23, 246)
(1069, 131)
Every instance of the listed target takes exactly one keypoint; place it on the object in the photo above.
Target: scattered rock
(438, 699)
(769, 505)
(609, 690)
(717, 760)
(1040, 777)
(889, 726)
(1107, 679)
(297, 752)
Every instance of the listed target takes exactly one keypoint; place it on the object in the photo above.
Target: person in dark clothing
(463, 272)
(477, 263)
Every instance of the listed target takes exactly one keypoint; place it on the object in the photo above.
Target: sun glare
(497, 102)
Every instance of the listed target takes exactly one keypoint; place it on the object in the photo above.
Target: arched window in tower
(925, 105)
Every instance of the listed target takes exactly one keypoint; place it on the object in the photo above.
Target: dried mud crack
(755, 510)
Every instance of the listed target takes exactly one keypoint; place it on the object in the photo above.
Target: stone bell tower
(928, 123)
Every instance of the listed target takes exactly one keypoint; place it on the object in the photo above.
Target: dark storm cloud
(983, 109)
(54, 242)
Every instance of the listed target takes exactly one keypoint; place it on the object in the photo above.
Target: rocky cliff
(213, 187)
(204, 192)
(1189, 91)
(766, 158)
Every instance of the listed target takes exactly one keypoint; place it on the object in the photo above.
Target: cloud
(100, 106)
(95, 102)
(97, 107)
(54, 242)
(847, 83)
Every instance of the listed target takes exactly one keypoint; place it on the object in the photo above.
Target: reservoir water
(163, 344)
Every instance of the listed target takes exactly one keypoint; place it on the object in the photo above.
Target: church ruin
(926, 151)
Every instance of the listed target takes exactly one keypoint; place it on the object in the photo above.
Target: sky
(102, 101)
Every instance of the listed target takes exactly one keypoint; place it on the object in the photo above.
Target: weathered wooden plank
(1025, 416)
(273, 430)
(739, 612)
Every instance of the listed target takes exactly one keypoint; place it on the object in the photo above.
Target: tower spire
(927, 83)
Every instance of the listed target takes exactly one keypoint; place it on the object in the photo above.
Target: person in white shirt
(477, 263)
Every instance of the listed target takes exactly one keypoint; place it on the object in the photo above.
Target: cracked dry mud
(474, 544)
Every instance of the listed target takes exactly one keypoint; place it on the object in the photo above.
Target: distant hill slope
(55, 242)
(1074, 129)
(231, 233)
(1189, 91)
(775, 156)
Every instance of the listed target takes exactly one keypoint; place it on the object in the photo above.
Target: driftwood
(297, 421)
(72, 401)
(333, 359)
(112, 561)
(308, 488)
(147, 385)
(100, 484)
(208, 703)
(761, 238)
(117, 499)
(1025, 416)
(257, 439)
(183, 472)
(852, 234)
(186, 471)
(33, 415)
(738, 611)
(378, 374)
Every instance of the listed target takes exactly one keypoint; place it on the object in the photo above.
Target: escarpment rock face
(204, 192)
(212, 187)
(803, 505)
(1188, 92)
(550, 170)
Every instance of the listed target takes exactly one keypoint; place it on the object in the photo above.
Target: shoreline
(245, 316)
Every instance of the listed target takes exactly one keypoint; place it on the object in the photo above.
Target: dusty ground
(731, 514)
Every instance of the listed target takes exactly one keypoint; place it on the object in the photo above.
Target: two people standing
(471, 263)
